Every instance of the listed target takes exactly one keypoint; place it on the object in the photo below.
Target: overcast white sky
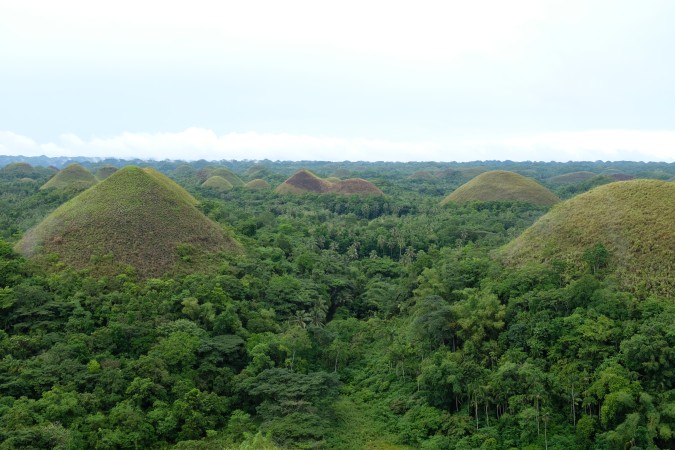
(343, 80)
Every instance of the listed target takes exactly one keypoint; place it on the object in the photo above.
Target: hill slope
(572, 177)
(217, 183)
(223, 172)
(73, 177)
(634, 220)
(501, 185)
(258, 183)
(136, 217)
(304, 181)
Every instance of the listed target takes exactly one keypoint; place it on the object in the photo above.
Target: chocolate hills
(105, 171)
(572, 177)
(18, 170)
(501, 185)
(73, 177)
(136, 217)
(258, 184)
(304, 181)
(634, 221)
(223, 172)
(217, 183)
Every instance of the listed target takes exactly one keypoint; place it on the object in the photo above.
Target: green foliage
(346, 322)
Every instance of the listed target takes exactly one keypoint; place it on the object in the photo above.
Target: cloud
(200, 143)
(606, 145)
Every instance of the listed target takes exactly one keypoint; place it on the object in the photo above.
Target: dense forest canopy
(343, 321)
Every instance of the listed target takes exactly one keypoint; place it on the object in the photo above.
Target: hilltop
(501, 185)
(304, 181)
(105, 171)
(136, 217)
(572, 177)
(217, 183)
(258, 183)
(73, 177)
(222, 172)
(633, 220)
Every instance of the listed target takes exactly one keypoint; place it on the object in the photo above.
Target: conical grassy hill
(17, 170)
(73, 177)
(258, 184)
(355, 186)
(105, 171)
(635, 222)
(304, 181)
(136, 217)
(301, 182)
(222, 172)
(501, 185)
(217, 183)
(572, 177)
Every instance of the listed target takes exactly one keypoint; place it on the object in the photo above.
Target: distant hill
(105, 171)
(223, 172)
(217, 183)
(258, 183)
(136, 217)
(633, 220)
(573, 177)
(500, 185)
(17, 170)
(304, 181)
(73, 177)
(355, 186)
(23, 171)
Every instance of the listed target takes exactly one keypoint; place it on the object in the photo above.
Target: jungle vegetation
(343, 321)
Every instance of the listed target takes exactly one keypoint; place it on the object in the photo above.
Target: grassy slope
(105, 172)
(301, 182)
(634, 220)
(355, 186)
(73, 176)
(217, 183)
(258, 183)
(304, 181)
(500, 185)
(135, 217)
(227, 174)
(572, 177)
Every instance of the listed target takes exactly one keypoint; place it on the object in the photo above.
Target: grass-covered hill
(501, 185)
(25, 173)
(73, 177)
(258, 183)
(223, 172)
(17, 170)
(136, 217)
(633, 220)
(355, 186)
(105, 171)
(217, 183)
(304, 181)
(301, 182)
(572, 177)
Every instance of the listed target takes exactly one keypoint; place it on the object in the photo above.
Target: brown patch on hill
(301, 182)
(355, 186)
(305, 181)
